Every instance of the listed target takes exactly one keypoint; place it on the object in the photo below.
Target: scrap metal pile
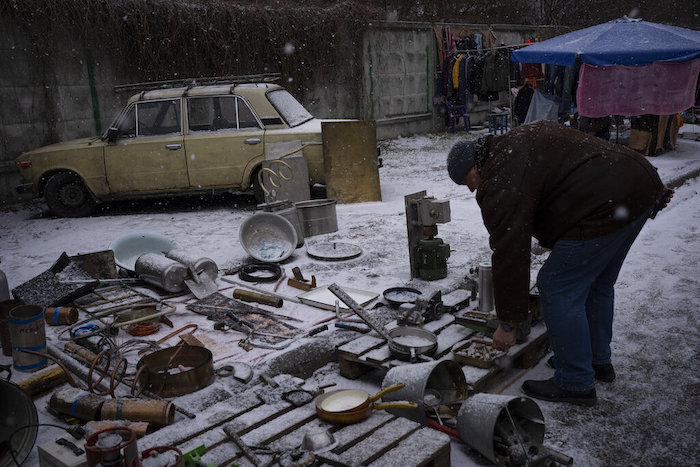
(137, 350)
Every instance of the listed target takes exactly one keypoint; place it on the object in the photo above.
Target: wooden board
(271, 426)
(350, 161)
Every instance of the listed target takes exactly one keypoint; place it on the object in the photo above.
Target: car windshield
(291, 110)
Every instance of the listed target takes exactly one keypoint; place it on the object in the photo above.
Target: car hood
(66, 145)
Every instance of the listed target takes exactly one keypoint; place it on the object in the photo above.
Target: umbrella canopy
(624, 41)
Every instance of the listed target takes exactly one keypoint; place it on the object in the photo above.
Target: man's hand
(503, 340)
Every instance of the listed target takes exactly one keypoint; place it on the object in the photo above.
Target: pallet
(368, 352)
(279, 427)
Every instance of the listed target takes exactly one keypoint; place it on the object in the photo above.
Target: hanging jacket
(551, 182)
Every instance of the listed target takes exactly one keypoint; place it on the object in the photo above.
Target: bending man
(587, 200)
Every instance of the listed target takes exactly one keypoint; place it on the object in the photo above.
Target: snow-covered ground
(648, 416)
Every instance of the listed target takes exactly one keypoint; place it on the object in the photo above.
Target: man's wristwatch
(507, 327)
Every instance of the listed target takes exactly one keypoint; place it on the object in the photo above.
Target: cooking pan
(409, 342)
(353, 405)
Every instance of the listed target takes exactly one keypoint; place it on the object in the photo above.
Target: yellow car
(164, 142)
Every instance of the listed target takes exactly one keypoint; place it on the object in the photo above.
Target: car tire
(67, 196)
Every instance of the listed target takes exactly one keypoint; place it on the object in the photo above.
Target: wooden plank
(360, 345)
(215, 436)
(217, 414)
(380, 356)
(282, 425)
(350, 435)
(422, 447)
(449, 336)
(350, 161)
(373, 446)
(351, 368)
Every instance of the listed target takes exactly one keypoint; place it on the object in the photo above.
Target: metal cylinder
(77, 403)
(80, 353)
(198, 264)
(318, 216)
(162, 272)
(60, 316)
(158, 412)
(249, 296)
(141, 429)
(478, 416)
(27, 331)
(287, 210)
(5, 307)
(443, 380)
(486, 301)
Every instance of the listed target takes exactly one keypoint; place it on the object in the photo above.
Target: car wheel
(67, 196)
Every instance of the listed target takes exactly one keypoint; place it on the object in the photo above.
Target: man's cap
(460, 160)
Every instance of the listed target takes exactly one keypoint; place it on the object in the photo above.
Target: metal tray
(462, 354)
(321, 297)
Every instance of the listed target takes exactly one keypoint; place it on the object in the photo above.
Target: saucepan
(410, 342)
(353, 405)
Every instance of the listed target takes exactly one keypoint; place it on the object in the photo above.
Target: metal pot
(409, 342)
(318, 216)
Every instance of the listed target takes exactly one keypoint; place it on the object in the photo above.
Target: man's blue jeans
(576, 286)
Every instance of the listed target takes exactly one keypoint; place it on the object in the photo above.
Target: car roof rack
(204, 81)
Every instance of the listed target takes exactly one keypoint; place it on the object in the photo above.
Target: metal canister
(198, 264)
(27, 332)
(162, 272)
(158, 412)
(77, 403)
(286, 209)
(5, 307)
(486, 302)
(318, 216)
(61, 315)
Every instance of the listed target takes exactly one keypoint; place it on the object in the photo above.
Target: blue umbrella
(624, 41)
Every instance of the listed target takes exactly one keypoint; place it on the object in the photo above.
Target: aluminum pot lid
(333, 251)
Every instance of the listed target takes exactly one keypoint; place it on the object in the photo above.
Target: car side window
(127, 124)
(158, 117)
(219, 113)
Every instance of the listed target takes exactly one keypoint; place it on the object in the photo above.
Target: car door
(224, 136)
(149, 154)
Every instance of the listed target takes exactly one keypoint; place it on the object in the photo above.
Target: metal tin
(158, 412)
(27, 331)
(318, 216)
(486, 301)
(198, 264)
(162, 272)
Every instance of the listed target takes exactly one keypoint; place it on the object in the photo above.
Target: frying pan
(353, 405)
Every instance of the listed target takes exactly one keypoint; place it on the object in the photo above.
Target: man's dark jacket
(551, 182)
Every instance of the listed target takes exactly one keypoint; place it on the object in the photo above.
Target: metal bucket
(486, 302)
(162, 272)
(476, 421)
(198, 264)
(318, 216)
(77, 403)
(158, 412)
(27, 332)
(5, 307)
(443, 380)
(287, 210)
(16, 409)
